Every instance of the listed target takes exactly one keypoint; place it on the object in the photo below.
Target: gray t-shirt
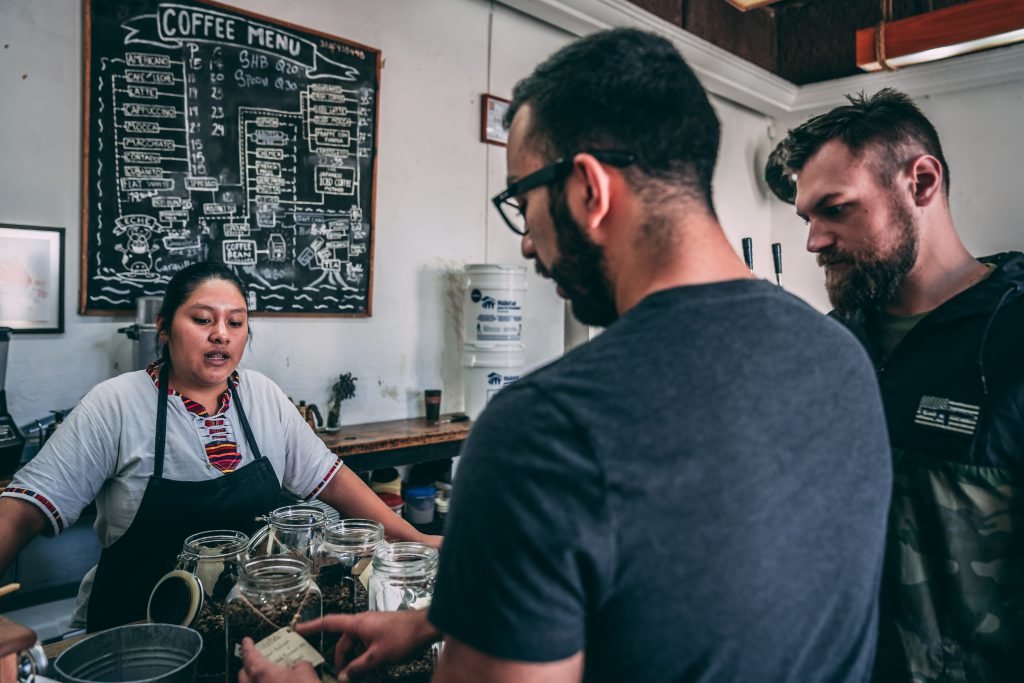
(699, 494)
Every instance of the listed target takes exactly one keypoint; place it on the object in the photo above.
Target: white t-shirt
(104, 452)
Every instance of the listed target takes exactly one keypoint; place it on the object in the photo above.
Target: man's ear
(926, 179)
(588, 193)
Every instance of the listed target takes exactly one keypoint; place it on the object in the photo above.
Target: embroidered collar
(153, 370)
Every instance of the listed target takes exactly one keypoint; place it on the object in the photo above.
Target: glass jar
(194, 593)
(403, 579)
(341, 569)
(293, 530)
(272, 593)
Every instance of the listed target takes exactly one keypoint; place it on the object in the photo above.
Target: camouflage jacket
(952, 603)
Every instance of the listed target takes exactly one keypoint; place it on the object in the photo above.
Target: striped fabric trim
(223, 403)
(39, 499)
(221, 448)
(223, 455)
(327, 478)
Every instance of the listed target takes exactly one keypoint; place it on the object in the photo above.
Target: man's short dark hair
(631, 91)
(888, 122)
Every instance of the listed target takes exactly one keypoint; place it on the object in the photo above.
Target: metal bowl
(137, 653)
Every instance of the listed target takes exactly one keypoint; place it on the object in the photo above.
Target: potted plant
(342, 390)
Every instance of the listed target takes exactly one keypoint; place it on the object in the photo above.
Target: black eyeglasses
(509, 208)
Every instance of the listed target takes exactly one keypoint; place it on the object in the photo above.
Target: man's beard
(872, 280)
(581, 270)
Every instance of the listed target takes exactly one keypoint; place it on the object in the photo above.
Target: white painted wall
(545, 313)
(980, 133)
(434, 180)
(744, 208)
(430, 219)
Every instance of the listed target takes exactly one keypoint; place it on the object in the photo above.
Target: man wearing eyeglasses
(700, 493)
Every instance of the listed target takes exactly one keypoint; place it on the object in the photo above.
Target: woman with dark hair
(187, 445)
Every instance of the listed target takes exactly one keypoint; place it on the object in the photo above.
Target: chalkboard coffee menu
(215, 134)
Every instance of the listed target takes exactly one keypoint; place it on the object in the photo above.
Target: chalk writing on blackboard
(216, 134)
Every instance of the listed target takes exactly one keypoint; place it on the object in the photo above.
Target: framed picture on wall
(31, 278)
(492, 126)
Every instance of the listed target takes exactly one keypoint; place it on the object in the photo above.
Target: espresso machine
(12, 441)
(143, 331)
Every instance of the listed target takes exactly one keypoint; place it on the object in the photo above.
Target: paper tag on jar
(364, 575)
(362, 566)
(286, 647)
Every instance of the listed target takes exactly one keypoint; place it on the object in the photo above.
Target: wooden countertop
(374, 437)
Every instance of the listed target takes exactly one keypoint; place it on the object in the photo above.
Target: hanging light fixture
(968, 27)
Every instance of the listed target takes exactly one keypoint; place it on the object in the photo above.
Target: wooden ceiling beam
(948, 32)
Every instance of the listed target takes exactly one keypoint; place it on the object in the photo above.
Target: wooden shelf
(396, 442)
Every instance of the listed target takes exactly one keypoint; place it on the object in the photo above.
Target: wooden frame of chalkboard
(213, 133)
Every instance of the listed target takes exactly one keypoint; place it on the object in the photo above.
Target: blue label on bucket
(496, 383)
(500, 380)
(490, 330)
(490, 303)
(494, 303)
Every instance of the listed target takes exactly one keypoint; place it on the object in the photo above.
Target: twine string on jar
(295, 617)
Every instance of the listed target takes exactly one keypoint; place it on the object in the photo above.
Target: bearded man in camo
(945, 331)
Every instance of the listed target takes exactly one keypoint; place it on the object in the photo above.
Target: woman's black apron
(170, 512)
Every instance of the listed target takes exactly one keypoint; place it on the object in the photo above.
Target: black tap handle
(777, 257)
(748, 252)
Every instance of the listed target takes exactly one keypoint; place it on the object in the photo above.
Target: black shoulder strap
(161, 421)
(236, 397)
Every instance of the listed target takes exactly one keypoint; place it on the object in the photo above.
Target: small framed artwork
(492, 127)
(31, 278)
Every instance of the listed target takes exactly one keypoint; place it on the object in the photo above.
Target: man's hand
(258, 669)
(388, 637)
(432, 541)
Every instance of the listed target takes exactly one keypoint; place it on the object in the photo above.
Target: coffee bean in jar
(402, 579)
(194, 593)
(342, 565)
(272, 593)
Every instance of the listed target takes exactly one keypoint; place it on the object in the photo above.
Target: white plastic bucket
(488, 368)
(494, 303)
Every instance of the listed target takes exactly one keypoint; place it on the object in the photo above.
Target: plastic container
(494, 303)
(393, 501)
(272, 593)
(419, 504)
(441, 506)
(386, 480)
(487, 369)
(193, 594)
(154, 653)
(443, 499)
